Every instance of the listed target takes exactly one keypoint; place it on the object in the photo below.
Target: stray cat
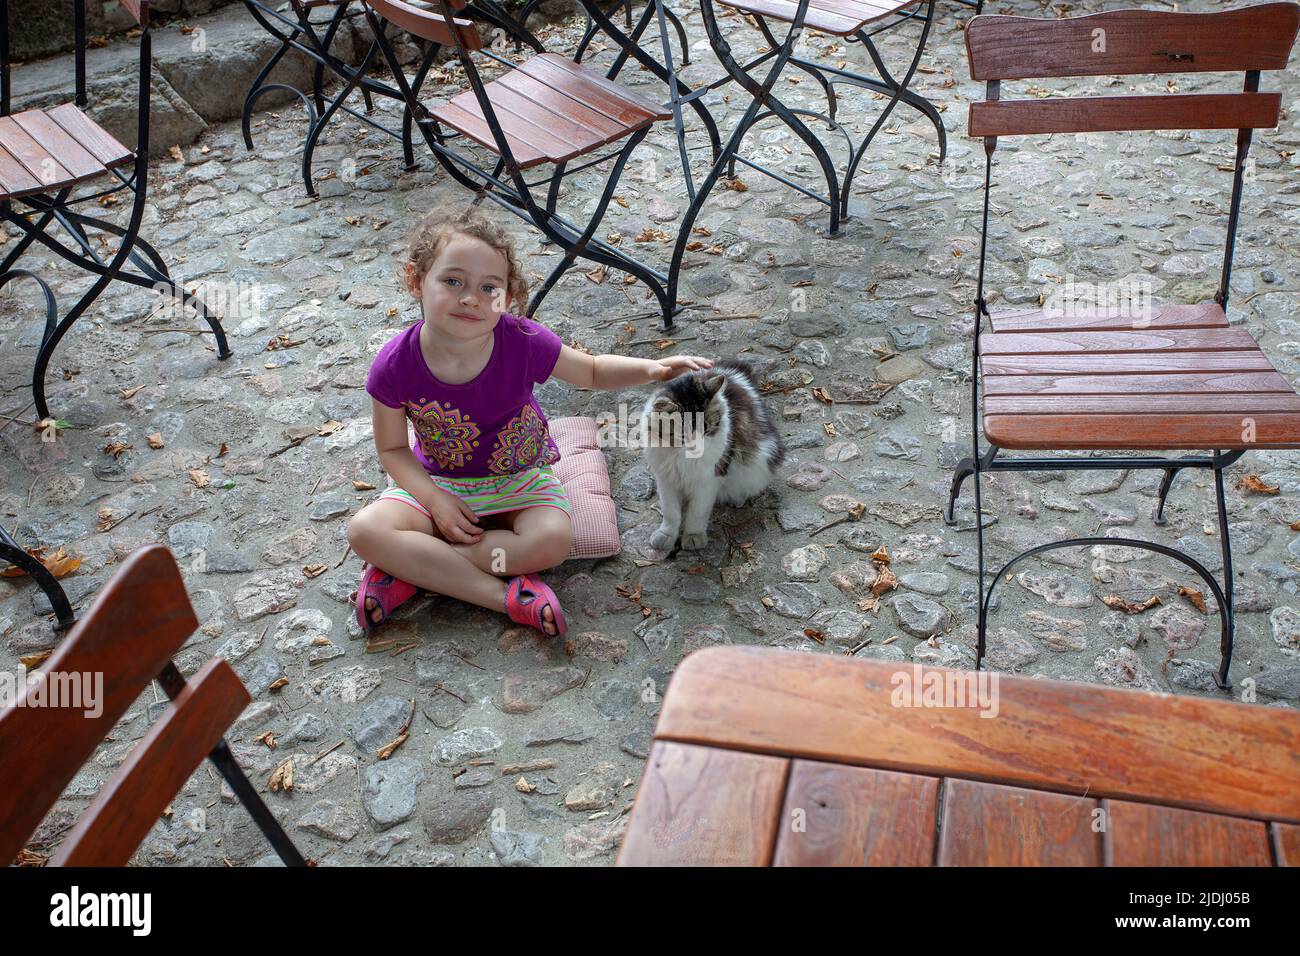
(709, 438)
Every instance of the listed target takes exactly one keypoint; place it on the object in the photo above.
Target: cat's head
(688, 409)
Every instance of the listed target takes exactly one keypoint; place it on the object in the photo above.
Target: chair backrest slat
(1095, 114)
(41, 750)
(129, 805)
(429, 26)
(1125, 42)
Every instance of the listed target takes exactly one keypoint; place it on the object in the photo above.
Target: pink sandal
(389, 592)
(526, 597)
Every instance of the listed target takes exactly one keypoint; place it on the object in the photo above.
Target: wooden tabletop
(767, 757)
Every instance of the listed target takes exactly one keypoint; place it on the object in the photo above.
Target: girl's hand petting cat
(675, 365)
(454, 519)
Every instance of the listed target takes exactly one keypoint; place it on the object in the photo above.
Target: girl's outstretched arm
(621, 371)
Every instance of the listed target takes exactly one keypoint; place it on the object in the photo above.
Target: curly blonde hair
(437, 229)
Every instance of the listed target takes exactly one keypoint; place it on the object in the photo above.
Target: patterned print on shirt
(522, 444)
(447, 435)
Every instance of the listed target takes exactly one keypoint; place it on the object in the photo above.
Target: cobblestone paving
(255, 478)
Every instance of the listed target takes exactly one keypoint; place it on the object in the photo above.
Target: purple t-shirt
(490, 425)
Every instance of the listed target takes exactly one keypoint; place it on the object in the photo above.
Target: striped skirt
(494, 494)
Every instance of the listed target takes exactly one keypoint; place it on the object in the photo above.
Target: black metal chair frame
(781, 53)
(45, 210)
(304, 35)
(505, 183)
(57, 208)
(987, 460)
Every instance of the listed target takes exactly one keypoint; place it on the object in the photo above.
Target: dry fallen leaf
(886, 580)
(31, 858)
(156, 440)
(822, 395)
(33, 661)
(199, 477)
(176, 154)
(1256, 484)
(115, 448)
(1195, 596)
(362, 485)
(267, 738)
(59, 564)
(814, 634)
(282, 341)
(1128, 607)
(523, 786)
(128, 392)
(282, 778)
(881, 554)
(314, 570)
(278, 683)
(736, 185)
(871, 604)
(329, 428)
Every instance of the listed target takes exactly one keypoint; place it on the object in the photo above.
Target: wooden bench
(767, 757)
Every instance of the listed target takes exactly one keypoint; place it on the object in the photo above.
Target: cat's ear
(666, 405)
(713, 383)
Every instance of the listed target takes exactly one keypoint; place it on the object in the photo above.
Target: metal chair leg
(1165, 484)
(16, 555)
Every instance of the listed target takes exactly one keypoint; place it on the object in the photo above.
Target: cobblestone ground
(255, 512)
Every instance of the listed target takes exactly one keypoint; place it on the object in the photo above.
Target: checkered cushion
(585, 475)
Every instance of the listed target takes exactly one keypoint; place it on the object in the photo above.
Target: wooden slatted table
(767, 757)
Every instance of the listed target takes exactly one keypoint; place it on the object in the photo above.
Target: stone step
(199, 77)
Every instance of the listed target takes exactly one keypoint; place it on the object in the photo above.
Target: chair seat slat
(92, 137)
(55, 139)
(1119, 384)
(1158, 316)
(1192, 431)
(476, 128)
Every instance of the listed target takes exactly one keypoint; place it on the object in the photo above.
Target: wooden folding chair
(1119, 378)
(314, 38)
(46, 154)
(138, 621)
(547, 111)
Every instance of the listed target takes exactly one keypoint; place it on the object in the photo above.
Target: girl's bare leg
(532, 539)
(401, 541)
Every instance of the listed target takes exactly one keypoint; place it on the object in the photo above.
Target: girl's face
(464, 292)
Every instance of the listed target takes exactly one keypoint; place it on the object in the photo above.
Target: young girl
(463, 375)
